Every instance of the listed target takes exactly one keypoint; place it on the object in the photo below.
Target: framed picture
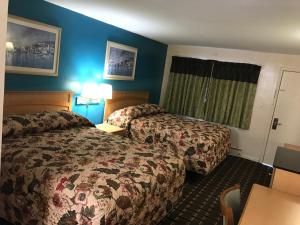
(32, 47)
(120, 62)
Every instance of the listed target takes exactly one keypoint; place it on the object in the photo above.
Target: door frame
(3, 27)
(275, 99)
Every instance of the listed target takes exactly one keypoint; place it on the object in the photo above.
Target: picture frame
(120, 61)
(32, 48)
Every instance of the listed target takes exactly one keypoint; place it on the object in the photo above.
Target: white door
(285, 126)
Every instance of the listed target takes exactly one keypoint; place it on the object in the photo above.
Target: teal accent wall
(82, 55)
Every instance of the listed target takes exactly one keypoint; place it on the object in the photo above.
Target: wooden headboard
(122, 99)
(32, 102)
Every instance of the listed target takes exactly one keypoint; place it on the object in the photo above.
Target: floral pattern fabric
(87, 177)
(33, 123)
(203, 144)
(123, 117)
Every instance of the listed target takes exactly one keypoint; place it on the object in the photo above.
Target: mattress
(203, 144)
(81, 175)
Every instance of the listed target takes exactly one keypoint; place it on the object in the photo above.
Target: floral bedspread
(86, 177)
(204, 144)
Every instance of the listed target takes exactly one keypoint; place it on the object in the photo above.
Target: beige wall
(252, 141)
(3, 23)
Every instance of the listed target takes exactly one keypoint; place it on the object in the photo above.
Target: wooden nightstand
(111, 129)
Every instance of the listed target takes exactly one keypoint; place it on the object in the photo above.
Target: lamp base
(87, 101)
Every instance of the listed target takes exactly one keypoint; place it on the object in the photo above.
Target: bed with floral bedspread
(58, 169)
(203, 144)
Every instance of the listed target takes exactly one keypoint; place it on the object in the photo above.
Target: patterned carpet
(200, 203)
(200, 200)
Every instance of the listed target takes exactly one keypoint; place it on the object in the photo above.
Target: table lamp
(92, 93)
(105, 91)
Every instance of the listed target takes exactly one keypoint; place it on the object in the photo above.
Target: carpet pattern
(200, 204)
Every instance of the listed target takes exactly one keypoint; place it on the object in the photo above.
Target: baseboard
(240, 154)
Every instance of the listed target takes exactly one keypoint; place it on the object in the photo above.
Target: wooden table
(293, 147)
(287, 159)
(267, 206)
(286, 173)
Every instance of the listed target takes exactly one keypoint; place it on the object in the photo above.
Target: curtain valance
(192, 66)
(236, 71)
(242, 72)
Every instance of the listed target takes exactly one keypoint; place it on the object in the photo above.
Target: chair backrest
(230, 200)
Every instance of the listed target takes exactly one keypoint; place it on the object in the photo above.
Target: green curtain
(232, 93)
(186, 95)
(187, 86)
(230, 102)
(220, 92)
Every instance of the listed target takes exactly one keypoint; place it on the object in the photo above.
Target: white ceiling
(263, 25)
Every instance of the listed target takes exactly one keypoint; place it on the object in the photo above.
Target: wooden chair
(230, 200)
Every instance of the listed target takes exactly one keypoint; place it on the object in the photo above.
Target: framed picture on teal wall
(32, 47)
(120, 62)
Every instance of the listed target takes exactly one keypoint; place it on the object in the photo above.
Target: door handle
(275, 123)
